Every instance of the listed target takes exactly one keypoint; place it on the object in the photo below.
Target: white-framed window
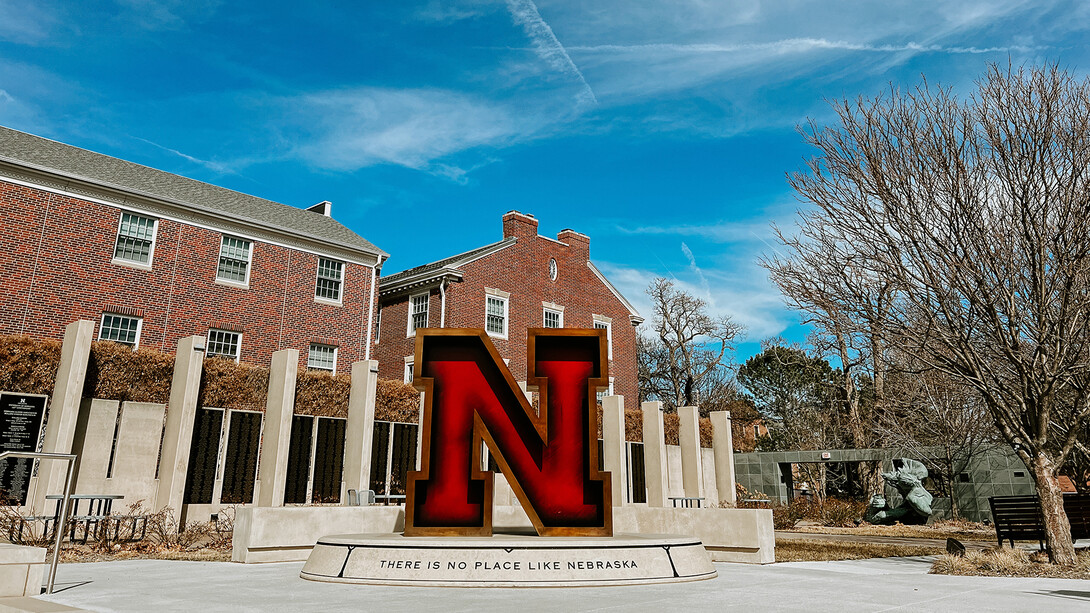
(330, 280)
(122, 329)
(495, 313)
(418, 312)
(224, 343)
(552, 269)
(609, 392)
(604, 323)
(378, 325)
(756, 431)
(408, 369)
(234, 264)
(552, 319)
(135, 239)
(322, 357)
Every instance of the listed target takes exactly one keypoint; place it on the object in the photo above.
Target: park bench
(1019, 518)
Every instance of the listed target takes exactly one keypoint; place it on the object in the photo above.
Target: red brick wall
(178, 297)
(523, 270)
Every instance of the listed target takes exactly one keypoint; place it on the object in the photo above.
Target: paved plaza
(892, 584)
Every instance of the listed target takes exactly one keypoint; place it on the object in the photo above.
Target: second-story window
(553, 319)
(225, 344)
(418, 312)
(234, 265)
(330, 278)
(322, 357)
(120, 329)
(604, 323)
(496, 315)
(135, 239)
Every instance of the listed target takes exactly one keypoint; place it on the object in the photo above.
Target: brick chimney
(579, 242)
(519, 225)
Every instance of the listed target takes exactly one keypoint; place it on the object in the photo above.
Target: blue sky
(662, 129)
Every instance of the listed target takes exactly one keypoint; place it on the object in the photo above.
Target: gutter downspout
(371, 311)
(443, 303)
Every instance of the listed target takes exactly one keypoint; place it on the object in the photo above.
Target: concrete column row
(656, 475)
(73, 424)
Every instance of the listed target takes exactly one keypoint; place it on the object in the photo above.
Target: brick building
(523, 281)
(153, 257)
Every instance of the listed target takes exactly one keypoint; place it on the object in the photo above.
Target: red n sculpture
(550, 459)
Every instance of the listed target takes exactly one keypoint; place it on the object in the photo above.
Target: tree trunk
(951, 485)
(1061, 549)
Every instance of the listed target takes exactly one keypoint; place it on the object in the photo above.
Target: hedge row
(117, 372)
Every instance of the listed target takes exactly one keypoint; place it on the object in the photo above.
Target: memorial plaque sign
(240, 465)
(21, 417)
(298, 473)
(203, 456)
(329, 459)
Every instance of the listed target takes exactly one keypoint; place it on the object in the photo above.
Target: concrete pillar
(654, 454)
(723, 448)
(359, 431)
(692, 471)
(178, 431)
(60, 427)
(279, 407)
(613, 445)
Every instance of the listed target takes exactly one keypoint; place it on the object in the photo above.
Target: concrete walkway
(890, 584)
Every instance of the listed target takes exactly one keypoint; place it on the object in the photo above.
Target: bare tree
(976, 213)
(688, 353)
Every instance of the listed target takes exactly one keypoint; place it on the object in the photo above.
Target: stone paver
(890, 584)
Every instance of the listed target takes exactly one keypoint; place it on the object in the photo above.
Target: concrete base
(287, 534)
(508, 560)
(21, 570)
(26, 604)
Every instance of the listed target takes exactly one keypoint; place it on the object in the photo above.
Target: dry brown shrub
(672, 424)
(117, 372)
(28, 366)
(322, 393)
(705, 432)
(229, 385)
(396, 401)
(633, 425)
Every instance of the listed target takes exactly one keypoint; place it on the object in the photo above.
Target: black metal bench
(1019, 518)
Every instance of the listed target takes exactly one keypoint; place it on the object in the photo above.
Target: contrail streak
(546, 45)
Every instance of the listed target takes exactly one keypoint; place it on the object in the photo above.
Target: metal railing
(62, 515)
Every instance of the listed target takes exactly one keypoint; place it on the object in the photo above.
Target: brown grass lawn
(801, 550)
(942, 529)
(1008, 562)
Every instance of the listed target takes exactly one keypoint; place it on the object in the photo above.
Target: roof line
(454, 260)
(628, 305)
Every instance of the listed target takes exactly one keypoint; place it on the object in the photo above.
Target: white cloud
(167, 14)
(26, 22)
(796, 45)
(214, 166)
(415, 128)
(745, 294)
(455, 10)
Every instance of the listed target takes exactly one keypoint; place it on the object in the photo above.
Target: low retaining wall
(287, 534)
(21, 570)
